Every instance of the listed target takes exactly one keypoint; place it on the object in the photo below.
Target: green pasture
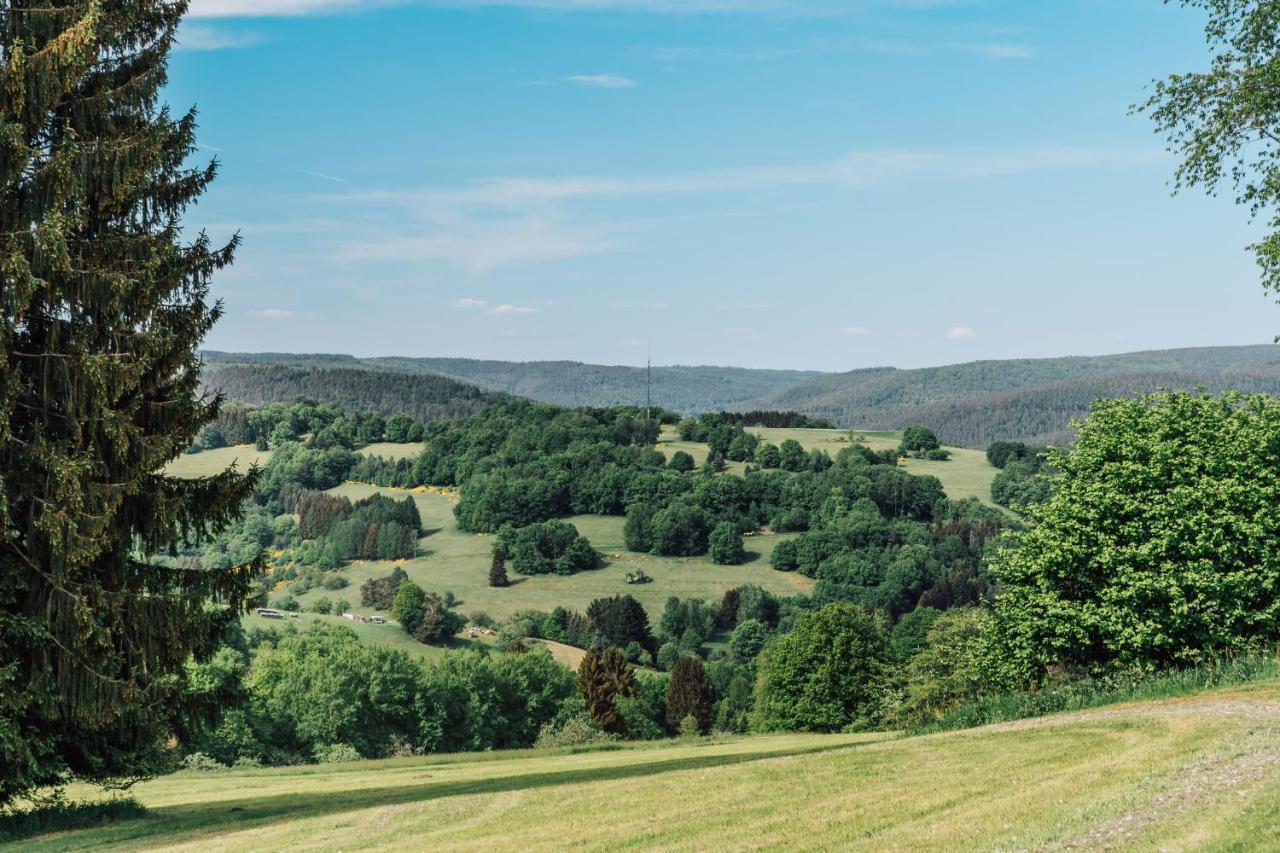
(1200, 772)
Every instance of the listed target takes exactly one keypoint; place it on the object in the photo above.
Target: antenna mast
(648, 384)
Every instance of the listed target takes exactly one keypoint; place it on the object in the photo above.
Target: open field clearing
(457, 561)
(389, 634)
(967, 474)
(209, 462)
(1177, 774)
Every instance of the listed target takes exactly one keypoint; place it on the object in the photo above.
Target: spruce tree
(688, 694)
(498, 569)
(103, 304)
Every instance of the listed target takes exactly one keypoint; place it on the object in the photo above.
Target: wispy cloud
(961, 333)
(200, 37)
(468, 302)
(855, 331)
(602, 81)
(287, 8)
(502, 310)
(999, 51)
(271, 314)
(519, 221)
(325, 177)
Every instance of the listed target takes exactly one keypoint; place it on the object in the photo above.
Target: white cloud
(271, 314)
(198, 37)
(1000, 51)
(961, 333)
(468, 302)
(501, 310)
(481, 245)
(602, 81)
(855, 331)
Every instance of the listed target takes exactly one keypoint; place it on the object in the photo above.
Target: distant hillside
(1031, 399)
(969, 405)
(424, 397)
(568, 383)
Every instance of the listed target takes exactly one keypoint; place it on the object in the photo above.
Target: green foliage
(918, 440)
(578, 730)
(498, 569)
(541, 549)
(103, 303)
(336, 753)
(1110, 689)
(949, 670)
(688, 696)
(380, 593)
(910, 633)
(408, 605)
(1219, 121)
(679, 530)
(1159, 547)
(724, 546)
(618, 621)
(824, 676)
(439, 622)
(748, 639)
(681, 462)
(66, 816)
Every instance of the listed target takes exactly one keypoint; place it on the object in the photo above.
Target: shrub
(785, 556)
(578, 730)
(336, 753)
(323, 604)
(201, 763)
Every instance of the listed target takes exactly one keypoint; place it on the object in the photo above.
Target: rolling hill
(1032, 399)
(1200, 772)
(969, 404)
(424, 397)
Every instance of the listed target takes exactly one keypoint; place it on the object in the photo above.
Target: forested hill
(1030, 399)
(689, 390)
(968, 405)
(422, 397)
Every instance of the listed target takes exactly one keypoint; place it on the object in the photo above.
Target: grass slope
(1192, 773)
(457, 561)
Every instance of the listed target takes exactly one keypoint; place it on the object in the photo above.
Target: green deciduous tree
(1224, 123)
(1160, 545)
(825, 675)
(725, 545)
(102, 308)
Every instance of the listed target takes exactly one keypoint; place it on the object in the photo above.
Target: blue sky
(765, 183)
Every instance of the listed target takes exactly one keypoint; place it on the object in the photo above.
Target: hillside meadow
(1177, 774)
(450, 559)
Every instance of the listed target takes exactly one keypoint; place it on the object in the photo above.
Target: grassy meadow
(1177, 774)
(450, 559)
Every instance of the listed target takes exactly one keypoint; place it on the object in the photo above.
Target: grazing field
(967, 474)
(459, 562)
(206, 463)
(1198, 772)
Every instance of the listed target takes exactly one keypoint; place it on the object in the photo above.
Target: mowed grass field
(1195, 773)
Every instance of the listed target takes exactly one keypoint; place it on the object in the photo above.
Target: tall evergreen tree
(689, 694)
(102, 307)
(498, 569)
